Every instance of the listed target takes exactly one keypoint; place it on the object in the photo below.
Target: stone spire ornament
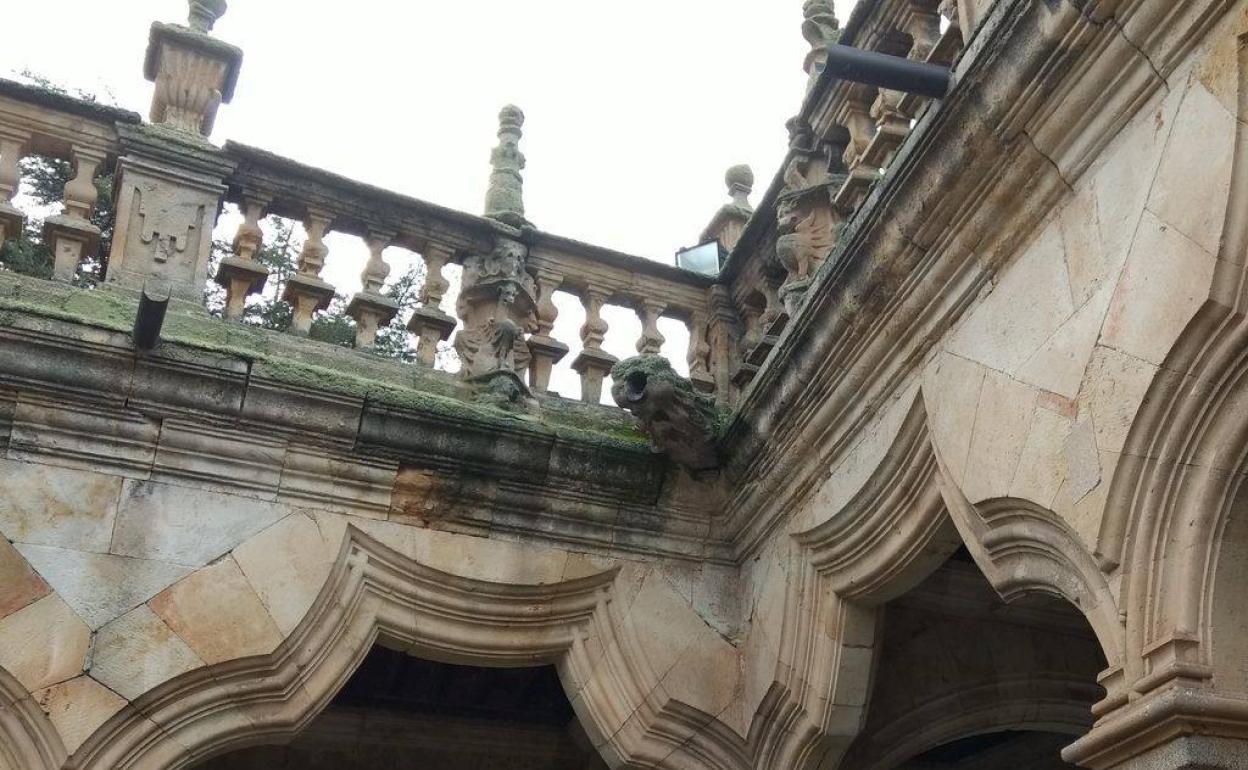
(504, 200)
(194, 72)
(821, 29)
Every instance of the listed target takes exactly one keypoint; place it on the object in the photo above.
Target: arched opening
(398, 710)
(966, 680)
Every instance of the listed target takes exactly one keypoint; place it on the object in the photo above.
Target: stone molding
(28, 740)
(377, 595)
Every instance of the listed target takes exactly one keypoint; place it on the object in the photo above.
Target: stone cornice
(910, 261)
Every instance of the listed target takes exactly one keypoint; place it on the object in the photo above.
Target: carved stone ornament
(679, 421)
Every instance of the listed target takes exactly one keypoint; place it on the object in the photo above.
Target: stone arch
(377, 595)
(1174, 493)
(906, 521)
(28, 740)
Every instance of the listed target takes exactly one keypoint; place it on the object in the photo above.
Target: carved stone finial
(205, 13)
(504, 200)
(821, 27)
(679, 420)
(740, 181)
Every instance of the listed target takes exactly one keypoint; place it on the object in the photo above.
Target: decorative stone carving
(805, 218)
(545, 351)
(193, 72)
(369, 307)
(504, 200)
(699, 354)
(71, 233)
(168, 191)
(679, 420)
(821, 29)
(729, 222)
(723, 335)
(241, 274)
(593, 363)
(496, 303)
(428, 322)
(305, 291)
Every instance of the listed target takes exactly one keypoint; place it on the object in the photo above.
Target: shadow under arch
(377, 595)
(28, 739)
(905, 522)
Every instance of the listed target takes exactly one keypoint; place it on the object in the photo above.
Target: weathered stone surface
(287, 564)
(679, 420)
(186, 526)
(100, 587)
(137, 652)
(217, 614)
(46, 505)
(951, 388)
(43, 643)
(78, 707)
(19, 583)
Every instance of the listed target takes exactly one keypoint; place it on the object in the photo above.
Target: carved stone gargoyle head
(679, 421)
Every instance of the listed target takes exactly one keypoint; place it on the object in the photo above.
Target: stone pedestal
(544, 353)
(430, 326)
(241, 278)
(306, 294)
(168, 190)
(371, 312)
(72, 238)
(593, 366)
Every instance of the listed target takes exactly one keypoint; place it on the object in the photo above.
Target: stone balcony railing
(170, 185)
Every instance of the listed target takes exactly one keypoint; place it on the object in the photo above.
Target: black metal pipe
(153, 302)
(881, 70)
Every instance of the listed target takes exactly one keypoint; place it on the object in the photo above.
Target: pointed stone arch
(28, 740)
(377, 595)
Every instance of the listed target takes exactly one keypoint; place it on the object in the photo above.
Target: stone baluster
(369, 307)
(194, 72)
(12, 147)
(855, 115)
(306, 292)
(71, 233)
(651, 340)
(428, 322)
(593, 363)
(699, 353)
(723, 336)
(241, 274)
(545, 351)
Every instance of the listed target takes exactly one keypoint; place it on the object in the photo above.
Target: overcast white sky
(634, 110)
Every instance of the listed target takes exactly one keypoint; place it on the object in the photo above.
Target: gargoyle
(679, 421)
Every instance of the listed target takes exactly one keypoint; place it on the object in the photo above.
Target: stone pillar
(12, 147)
(305, 291)
(241, 274)
(168, 192)
(71, 233)
(428, 322)
(194, 72)
(723, 335)
(369, 307)
(545, 351)
(504, 199)
(651, 340)
(593, 363)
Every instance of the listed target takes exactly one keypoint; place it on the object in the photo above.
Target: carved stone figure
(679, 420)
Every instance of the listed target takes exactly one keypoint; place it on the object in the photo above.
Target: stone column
(504, 199)
(168, 191)
(305, 291)
(428, 322)
(545, 351)
(593, 363)
(651, 340)
(71, 233)
(370, 309)
(194, 72)
(12, 147)
(723, 335)
(241, 274)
